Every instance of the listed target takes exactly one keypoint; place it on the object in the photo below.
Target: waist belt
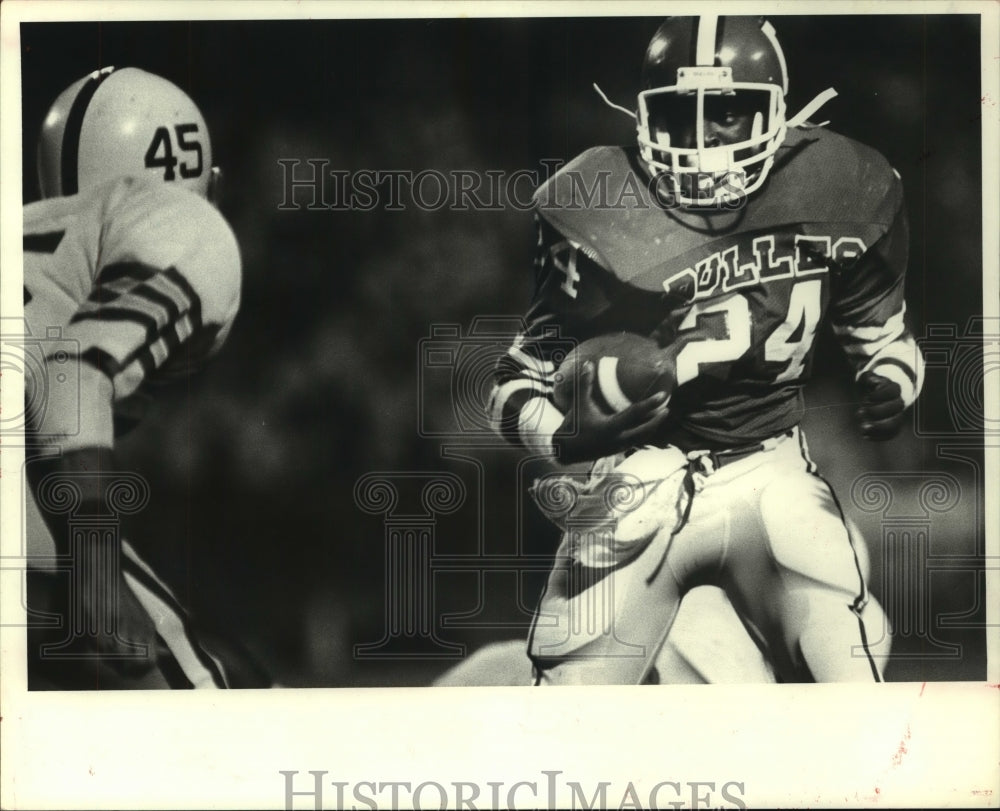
(719, 459)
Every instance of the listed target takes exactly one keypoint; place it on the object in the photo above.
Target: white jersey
(138, 279)
(130, 283)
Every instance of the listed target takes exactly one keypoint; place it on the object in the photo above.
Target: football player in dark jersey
(730, 233)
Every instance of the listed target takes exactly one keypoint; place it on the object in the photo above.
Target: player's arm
(869, 322)
(71, 483)
(568, 304)
(166, 292)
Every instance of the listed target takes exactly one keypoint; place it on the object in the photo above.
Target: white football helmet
(125, 121)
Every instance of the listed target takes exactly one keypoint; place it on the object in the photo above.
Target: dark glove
(882, 410)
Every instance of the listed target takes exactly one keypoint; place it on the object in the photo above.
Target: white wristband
(538, 420)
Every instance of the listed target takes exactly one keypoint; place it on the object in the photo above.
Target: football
(627, 368)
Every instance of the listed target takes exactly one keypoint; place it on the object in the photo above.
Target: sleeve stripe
(510, 420)
(136, 271)
(163, 304)
(102, 361)
(526, 361)
(869, 342)
(169, 339)
(195, 312)
(146, 291)
(863, 334)
(903, 352)
(154, 296)
(871, 348)
(506, 402)
(507, 370)
(149, 356)
(882, 363)
(111, 277)
(537, 423)
(545, 381)
(502, 392)
(901, 360)
(119, 314)
(103, 295)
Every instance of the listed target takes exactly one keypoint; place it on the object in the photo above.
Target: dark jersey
(735, 296)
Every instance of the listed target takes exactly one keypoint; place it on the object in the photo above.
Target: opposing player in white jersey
(729, 234)
(131, 279)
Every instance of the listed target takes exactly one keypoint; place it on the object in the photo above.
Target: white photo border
(896, 745)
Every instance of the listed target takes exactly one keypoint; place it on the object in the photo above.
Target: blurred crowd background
(253, 464)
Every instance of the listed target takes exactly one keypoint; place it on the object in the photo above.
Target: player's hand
(882, 409)
(588, 433)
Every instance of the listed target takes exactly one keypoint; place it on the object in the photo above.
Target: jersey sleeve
(166, 290)
(869, 310)
(568, 302)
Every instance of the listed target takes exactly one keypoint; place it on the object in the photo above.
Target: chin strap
(612, 105)
(800, 118)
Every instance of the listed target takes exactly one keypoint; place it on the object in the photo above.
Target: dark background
(253, 464)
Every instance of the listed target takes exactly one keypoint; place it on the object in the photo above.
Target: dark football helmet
(701, 75)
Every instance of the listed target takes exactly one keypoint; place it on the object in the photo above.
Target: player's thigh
(800, 581)
(807, 534)
(709, 644)
(603, 626)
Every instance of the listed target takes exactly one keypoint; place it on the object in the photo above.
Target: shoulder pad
(820, 175)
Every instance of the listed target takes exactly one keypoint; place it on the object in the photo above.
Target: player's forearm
(81, 478)
(75, 423)
(523, 415)
(901, 362)
(888, 349)
(75, 409)
(889, 379)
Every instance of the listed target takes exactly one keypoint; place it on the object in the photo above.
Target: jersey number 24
(803, 316)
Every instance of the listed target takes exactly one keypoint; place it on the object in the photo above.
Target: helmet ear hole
(214, 193)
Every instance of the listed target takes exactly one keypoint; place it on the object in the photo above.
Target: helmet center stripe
(74, 126)
(705, 50)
